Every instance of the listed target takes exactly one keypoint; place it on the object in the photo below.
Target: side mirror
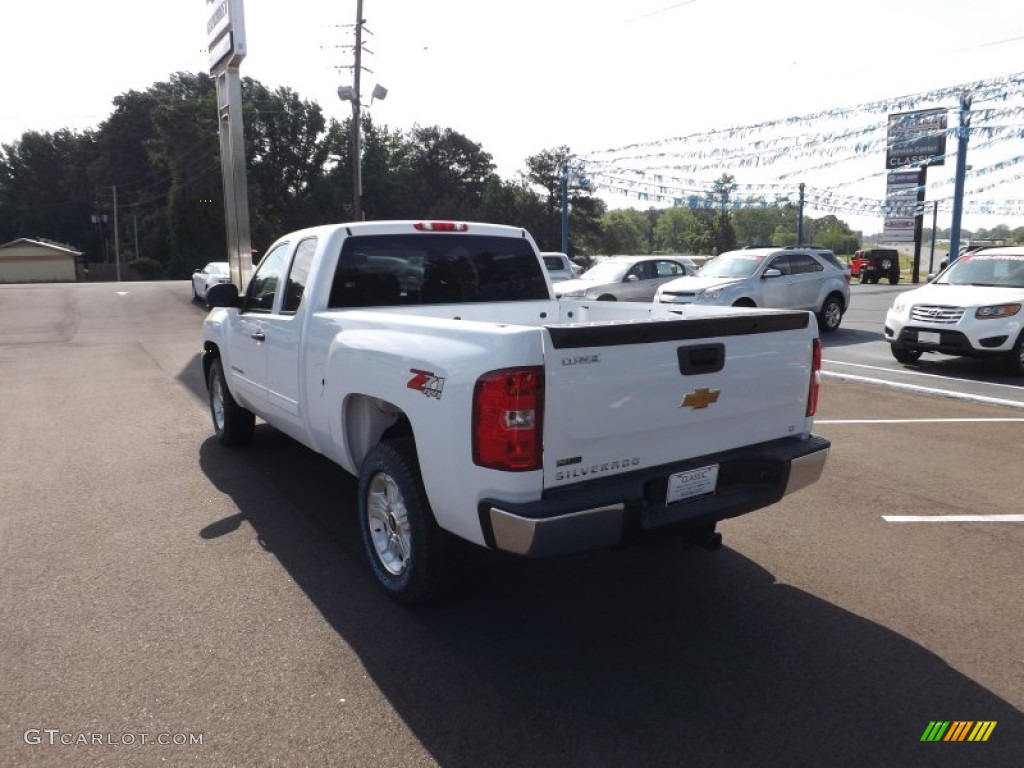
(223, 295)
(631, 278)
(773, 272)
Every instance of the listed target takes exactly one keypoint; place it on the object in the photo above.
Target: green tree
(448, 173)
(673, 230)
(545, 172)
(622, 232)
(47, 190)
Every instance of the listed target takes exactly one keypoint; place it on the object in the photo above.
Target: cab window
(298, 275)
(264, 284)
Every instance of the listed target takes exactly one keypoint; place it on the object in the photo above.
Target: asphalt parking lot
(158, 585)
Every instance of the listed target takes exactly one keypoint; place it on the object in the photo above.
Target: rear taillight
(508, 414)
(812, 392)
(440, 226)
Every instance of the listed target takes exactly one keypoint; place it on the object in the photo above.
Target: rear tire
(863, 277)
(831, 314)
(233, 424)
(409, 555)
(606, 297)
(894, 279)
(905, 355)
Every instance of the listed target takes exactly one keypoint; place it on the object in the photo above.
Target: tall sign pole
(963, 133)
(225, 31)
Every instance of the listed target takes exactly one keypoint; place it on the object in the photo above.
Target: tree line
(159, 152)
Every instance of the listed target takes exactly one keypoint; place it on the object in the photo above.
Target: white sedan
(204, 279)
(625, 278)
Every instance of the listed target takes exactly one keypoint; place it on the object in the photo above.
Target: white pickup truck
(432, 361)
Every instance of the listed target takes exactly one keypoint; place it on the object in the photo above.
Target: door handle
(259, 336)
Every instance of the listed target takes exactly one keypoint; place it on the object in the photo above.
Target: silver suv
(789, 278)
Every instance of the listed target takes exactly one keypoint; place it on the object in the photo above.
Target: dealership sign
(902, 192)
(916, 138)
(225, 33)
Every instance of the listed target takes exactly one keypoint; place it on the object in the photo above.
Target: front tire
(409, 554)
(233, 424)
(1015, 360)
(606, 297)
(905, 355)
(831, 314)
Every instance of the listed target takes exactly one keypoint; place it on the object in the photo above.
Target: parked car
(214, 273)
(560, 266)
(872, 264)
(972, 309)
(792, 278)
(625, 278)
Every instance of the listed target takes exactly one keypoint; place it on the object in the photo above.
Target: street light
(349, 93)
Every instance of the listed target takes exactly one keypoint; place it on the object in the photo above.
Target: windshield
(605, 272)
(731, 265)
(1001, 270)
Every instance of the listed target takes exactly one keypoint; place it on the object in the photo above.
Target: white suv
(788, 278)
(972, 309)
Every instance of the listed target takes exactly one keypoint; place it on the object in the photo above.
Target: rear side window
(402, 269)
(802, 263)
(832, 259)
(553, 262)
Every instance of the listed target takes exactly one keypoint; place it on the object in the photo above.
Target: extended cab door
(247, 353)
(283, 329)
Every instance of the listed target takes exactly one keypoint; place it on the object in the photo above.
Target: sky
(521, 77)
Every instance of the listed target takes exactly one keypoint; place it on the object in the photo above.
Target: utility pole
(117, 242)
(961, 171)
(357, 155)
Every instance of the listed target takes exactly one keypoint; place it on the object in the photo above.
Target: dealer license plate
(929, 337)
(691, 483)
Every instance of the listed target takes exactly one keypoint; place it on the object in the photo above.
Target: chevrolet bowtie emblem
(700, 398)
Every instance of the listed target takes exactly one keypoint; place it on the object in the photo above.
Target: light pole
(349, 93)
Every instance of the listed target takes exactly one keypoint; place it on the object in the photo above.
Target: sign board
(902, 191)
(916, 138)
(225, 33)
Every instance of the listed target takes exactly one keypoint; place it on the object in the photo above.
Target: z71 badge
(426, 382)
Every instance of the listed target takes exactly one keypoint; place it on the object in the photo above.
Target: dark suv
(874, 264)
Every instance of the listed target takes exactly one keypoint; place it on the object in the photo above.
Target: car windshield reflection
(731, 266)
(1000, 271)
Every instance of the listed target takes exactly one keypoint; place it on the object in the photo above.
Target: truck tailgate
(622, 397)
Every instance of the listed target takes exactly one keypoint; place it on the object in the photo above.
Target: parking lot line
(913, 421)
(906, 372)
(953, 518)
(926, 390)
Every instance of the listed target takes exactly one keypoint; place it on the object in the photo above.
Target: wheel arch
(367, 420)
(211, 352)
